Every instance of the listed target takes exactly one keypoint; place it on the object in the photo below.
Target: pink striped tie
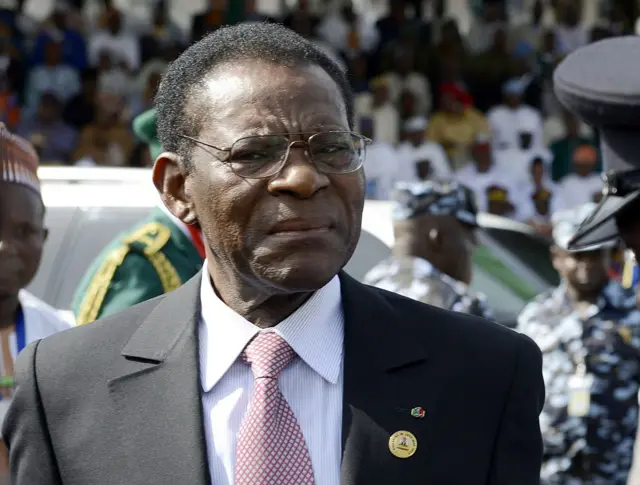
(270, 447)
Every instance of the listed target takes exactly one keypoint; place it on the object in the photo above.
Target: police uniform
(415, 277)
(154, 257)
(591, 368)
(599, 84)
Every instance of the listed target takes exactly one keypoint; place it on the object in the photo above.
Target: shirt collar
(315, 331)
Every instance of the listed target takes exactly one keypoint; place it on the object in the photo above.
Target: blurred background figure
(434, 226)
(420, 158)
(154, 257)
(587, 329)
(23, 317)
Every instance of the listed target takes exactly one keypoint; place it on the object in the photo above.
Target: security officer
(588, 329)
(154, 257)
(597, 83)
(434, 226)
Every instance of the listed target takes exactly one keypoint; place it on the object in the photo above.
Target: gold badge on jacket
(403, 444)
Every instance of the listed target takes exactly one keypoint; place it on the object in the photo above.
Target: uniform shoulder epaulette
(99, 285)
(149, 240)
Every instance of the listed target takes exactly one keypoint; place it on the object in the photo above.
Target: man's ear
(170, 178)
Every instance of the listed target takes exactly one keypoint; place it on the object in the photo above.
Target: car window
(501, 300)
(531, 251)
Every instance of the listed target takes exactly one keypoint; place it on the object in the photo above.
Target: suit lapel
(387, 373)
(157, 395)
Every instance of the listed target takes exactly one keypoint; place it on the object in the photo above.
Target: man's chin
(298, 272)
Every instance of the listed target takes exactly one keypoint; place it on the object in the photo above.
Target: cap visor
(600, 227)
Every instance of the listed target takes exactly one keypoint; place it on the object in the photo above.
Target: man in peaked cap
(154, 257)
(434, 224)
(23, 317)
(588, 329)
(595, 83)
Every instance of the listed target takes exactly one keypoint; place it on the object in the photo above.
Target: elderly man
(586, 330)
(434, 225)
(23, 317)
(272, 366)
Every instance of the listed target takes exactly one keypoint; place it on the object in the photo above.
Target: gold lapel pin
(403, 444)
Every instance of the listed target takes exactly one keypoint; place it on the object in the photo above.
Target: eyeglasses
(263, 156)
(621, 183)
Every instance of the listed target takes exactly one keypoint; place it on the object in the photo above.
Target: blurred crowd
(478, 105)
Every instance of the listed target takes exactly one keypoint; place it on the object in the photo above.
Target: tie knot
(268, 354)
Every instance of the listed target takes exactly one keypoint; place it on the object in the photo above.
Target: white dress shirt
(312, 384)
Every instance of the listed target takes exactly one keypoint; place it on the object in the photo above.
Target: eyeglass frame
(305, 143)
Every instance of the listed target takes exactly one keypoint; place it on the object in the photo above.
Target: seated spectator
(81, 109)
(407, 107)
(584, 185)
(457, 124)
(543, 195)
(420, 159)
(380, 166)
(347, 32)
(547, 59)
(483, 28)
(530, 31)
(570, 32)
(113, 77)
(123, 47)
(489, 180)
(562, 149)
(514, 125)
(56, 29)
(487, 71)
(53, 76)
(500, 200)
(107, 141)
(378, 108)
(54, 140)
(163, 32)
(405, 78)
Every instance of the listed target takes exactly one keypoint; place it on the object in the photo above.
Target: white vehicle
(88, 207)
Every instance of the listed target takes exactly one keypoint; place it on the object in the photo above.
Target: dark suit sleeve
(517, 456)
(31, 457)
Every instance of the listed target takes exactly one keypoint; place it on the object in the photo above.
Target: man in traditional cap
(588, 329)
(434, 224)
(23, 317)
(154, 257)
(595, 83)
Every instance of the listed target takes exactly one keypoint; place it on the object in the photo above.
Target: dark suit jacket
(118, 401)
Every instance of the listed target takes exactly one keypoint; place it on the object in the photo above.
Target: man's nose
(299, 177)
(8, 246)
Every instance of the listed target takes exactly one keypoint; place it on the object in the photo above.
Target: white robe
(40, 321)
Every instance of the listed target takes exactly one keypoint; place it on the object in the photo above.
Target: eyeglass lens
(330, 152)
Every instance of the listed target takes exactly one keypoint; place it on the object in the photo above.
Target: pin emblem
(403, 444)
(418, 412)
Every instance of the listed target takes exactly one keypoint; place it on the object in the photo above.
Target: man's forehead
(263, 92)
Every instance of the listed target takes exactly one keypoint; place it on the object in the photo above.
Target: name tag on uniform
(579, 395)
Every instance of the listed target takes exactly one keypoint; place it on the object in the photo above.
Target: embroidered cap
(18, 160)
(434, 197)
(566, 223)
